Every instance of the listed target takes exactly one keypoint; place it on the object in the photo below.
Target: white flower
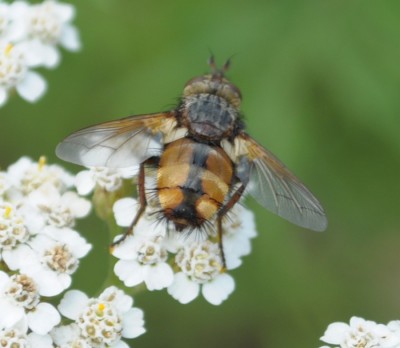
(103, 321)
(5, 19)
(68, 336)
(12, 227)
(11, 26)
(15, 62)
(360, 333)
(106, 178)
(238, 228)
(143, 259)
(4, 183)
(55, 209)
(17, 336)
(19, 299)
(124, 211)
(46, 26)
(26, 176)
(142, 255)
(394, 326)
(201, 267)
(50, 258)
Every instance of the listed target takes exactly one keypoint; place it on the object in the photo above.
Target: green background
(321, 86)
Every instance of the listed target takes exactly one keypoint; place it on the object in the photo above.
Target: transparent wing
(275, 187)
(120, 143)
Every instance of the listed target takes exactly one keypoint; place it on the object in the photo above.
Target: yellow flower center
(8, 49)
(42, 162)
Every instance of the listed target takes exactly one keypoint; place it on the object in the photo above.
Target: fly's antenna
(213, 65)
(226, 65)
(214, 69)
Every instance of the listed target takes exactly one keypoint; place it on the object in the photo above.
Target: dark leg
(224, 210)
(142, 208)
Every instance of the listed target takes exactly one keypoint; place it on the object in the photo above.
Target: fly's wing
(273, 185)
(120, 143)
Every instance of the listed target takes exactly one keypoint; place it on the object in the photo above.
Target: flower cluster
(39, 252)
(185, 263)
(362, 333)
(30, 36)
(98, 322)
(39, 249)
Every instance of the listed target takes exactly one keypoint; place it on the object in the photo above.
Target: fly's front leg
(224, 210)
(142, 207)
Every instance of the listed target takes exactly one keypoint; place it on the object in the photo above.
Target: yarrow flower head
(26, 176)
(55, 208)
(142, 257)
(20, 299)
(50, 258)
(201, 265)
(198, 267)
(12, 227)
(102, 321)
(38, 248)
(107, 179)
(17, 336)
(361, 333)
(29, 37)
(15, 73)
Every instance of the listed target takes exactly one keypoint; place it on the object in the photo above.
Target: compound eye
(197, 85)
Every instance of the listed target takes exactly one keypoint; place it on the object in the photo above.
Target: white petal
(64, 334)
(182, 289)
(34, 220)
(70, 38)
(16, 258)
(80, 207)
(33, 52)
(130, 272)
(158, 276)
(4, 278)
(133, 323)
(46, 194)
(40, 341)
(122, 302)
(124, 211)
(66, 12)
(32, 87)
(218, 289)
(84, 182)
(14, 313)
(22, 325)
(126, 250)
(50, 283)
(43, 318)
(335, 333)
(50, 56)
(3, 95)
(237, 245)
(72, 304)
(232, 261)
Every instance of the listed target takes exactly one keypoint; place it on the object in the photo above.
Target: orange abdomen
(193, 180)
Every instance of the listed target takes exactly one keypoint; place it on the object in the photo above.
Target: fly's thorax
(208, 116)
(210, 107)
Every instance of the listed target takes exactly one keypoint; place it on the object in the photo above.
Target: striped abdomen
(193, 180)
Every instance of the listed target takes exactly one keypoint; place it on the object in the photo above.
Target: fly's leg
(224, 210)
(142, 207)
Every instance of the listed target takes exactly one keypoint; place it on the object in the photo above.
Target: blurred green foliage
(321, 86)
